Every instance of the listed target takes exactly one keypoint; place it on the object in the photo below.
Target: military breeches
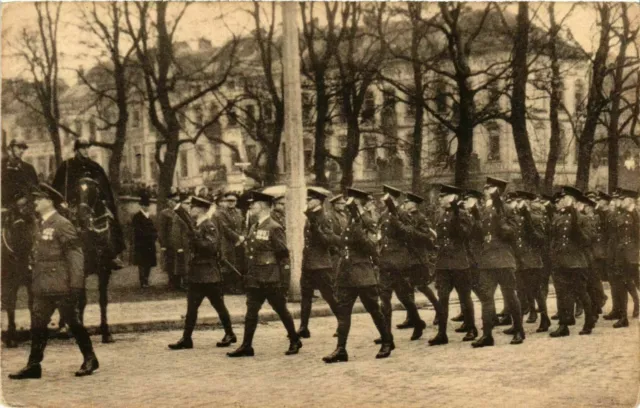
(321, 279)
(485, 287)
(461, 281)
(623, 283)
(43, 308)
(571, 283)
(346, 297)
(278, 301)
(195, 295)
(398, 281)
(530, 286)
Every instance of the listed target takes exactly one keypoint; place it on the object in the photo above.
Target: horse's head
(90, 204)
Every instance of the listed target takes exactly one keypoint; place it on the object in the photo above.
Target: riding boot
(106, 334)
(11, 338)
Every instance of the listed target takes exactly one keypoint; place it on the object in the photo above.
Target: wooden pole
(296, 190)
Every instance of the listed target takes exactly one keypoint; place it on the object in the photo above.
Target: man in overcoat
(144, 241)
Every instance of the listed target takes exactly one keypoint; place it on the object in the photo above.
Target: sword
(230, 266)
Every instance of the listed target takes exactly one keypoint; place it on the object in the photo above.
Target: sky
(213, 21)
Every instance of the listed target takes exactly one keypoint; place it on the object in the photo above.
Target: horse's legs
(104, 275)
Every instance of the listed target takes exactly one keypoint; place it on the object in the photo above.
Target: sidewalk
(132, 309)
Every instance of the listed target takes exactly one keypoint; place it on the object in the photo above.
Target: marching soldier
(166, 218)
(626, 245)
(232, 228)
(338, 217)
(601, 238)
(496, 262)
(181, 232)
(397, 259)
(19, 232)
(19, 178)
(453, 263)
(67, 177)
(570, 234)
(586, 207)
(204, 277)
(357, 278)
(268, 274)
(317, 267)
(58, 281)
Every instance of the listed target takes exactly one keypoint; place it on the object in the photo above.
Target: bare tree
(173, 82)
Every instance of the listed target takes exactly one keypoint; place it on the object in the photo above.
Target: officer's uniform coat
(205, 266)
(18, 177)
(267, 255)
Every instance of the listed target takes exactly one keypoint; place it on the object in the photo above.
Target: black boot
(623, 322)
(555, 317)
(579, 310)
(561, 331)
(533, 316)
(106, 334)
(182, 344)
(294, 347)
(462, 329)
(30, 371)
(407, 324)
(89, 365)
(418, 330)
(505, 321)
(378, 340)
(304, 333)
(385, 350)
(586, 329)
(484, 341)
(612, 316)
(227, 340)
(339, 355)
(510, 331)
(636, 310)
(242, 351)
(471, 335)
(545, 323)
(439, 339)
(10, 339)
(458, 318)
(519, 337)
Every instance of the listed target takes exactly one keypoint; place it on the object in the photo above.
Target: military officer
(599, 247)
(268, 274)
(18, 176)
(317, 268)
(358, 278)
(166, 218)
(338, 217)
(58, 281)
(453, 263)
(181, 232)
(586, 206)
(570, 233)
(278, 213)
(232, 225)
(396, 260)
(204, 278)
(626, 248)
(496, 262)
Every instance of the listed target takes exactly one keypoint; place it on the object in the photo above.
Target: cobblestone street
(600, 370)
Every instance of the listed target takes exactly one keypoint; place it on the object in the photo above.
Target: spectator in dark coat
(144, 241)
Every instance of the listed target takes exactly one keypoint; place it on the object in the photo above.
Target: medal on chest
(262, 235)
(47, 234)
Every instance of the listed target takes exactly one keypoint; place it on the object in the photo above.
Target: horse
(96, 226)
(18, 237)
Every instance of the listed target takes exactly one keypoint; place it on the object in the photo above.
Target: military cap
(586, 200)
(46, 191)
(278, 198)
(355, 193)
(19, 142)
(626, 193)
(525, 195)
(80, 143)
(337, 198)
(183, 196)
(446, 189)
(473, 194)
(317, 194)
(145, 200)
(603, 196)
(570, 191)
(510, 196)
(546, 197)
(593, 195)
(556, 197)
(414, 198)
(231, 193)
(256, 196)
(496, 182)
(200, 202)
(392, 191)
(173, 196)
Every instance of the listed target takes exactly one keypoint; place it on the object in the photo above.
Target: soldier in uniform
(19, 178)
(58, 281)
(338, 216)
(66, 180)
(166, 218)
(397, 259)
(268, 274)
(453, 263)
(570, 234)
(232, 228)
(18, 235)
(317, 267)
(599, 247)
(625, 248)
(358, 278)
(204, 278)
(181, 232)
(496, 262)
(278, 212)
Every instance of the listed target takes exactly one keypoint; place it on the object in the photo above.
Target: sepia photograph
(320, 204)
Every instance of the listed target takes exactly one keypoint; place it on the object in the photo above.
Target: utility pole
(296, 190)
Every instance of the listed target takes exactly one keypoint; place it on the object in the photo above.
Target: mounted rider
(19, 178)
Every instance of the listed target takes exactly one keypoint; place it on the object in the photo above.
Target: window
(308, 159)
(441, 97)
(561, 95)
(137, 161)
(369, 109)
(389, 108)
(494, 142)
(369, 153)
(340, 108)
(562, 149)
(494, 97)
(579, 96)
(252, 153)
(251, 117)
(135, 118)
(307, 109)
(78, 127)
(232, 117)
(441, 142)
(217, 154)
(235, 154)
(92, 130)
(267, 112)
(52, 163)
(199, 115)
(541, 151)
(155, 170)
(184, 164)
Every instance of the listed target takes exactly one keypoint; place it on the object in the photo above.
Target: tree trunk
(54, 135)
(351, 152)
(271, 166)
(416, 149)
(554, 106)
(116, 157)
(167, 169)
(520, 73)
(322, 108)
(463, 155)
